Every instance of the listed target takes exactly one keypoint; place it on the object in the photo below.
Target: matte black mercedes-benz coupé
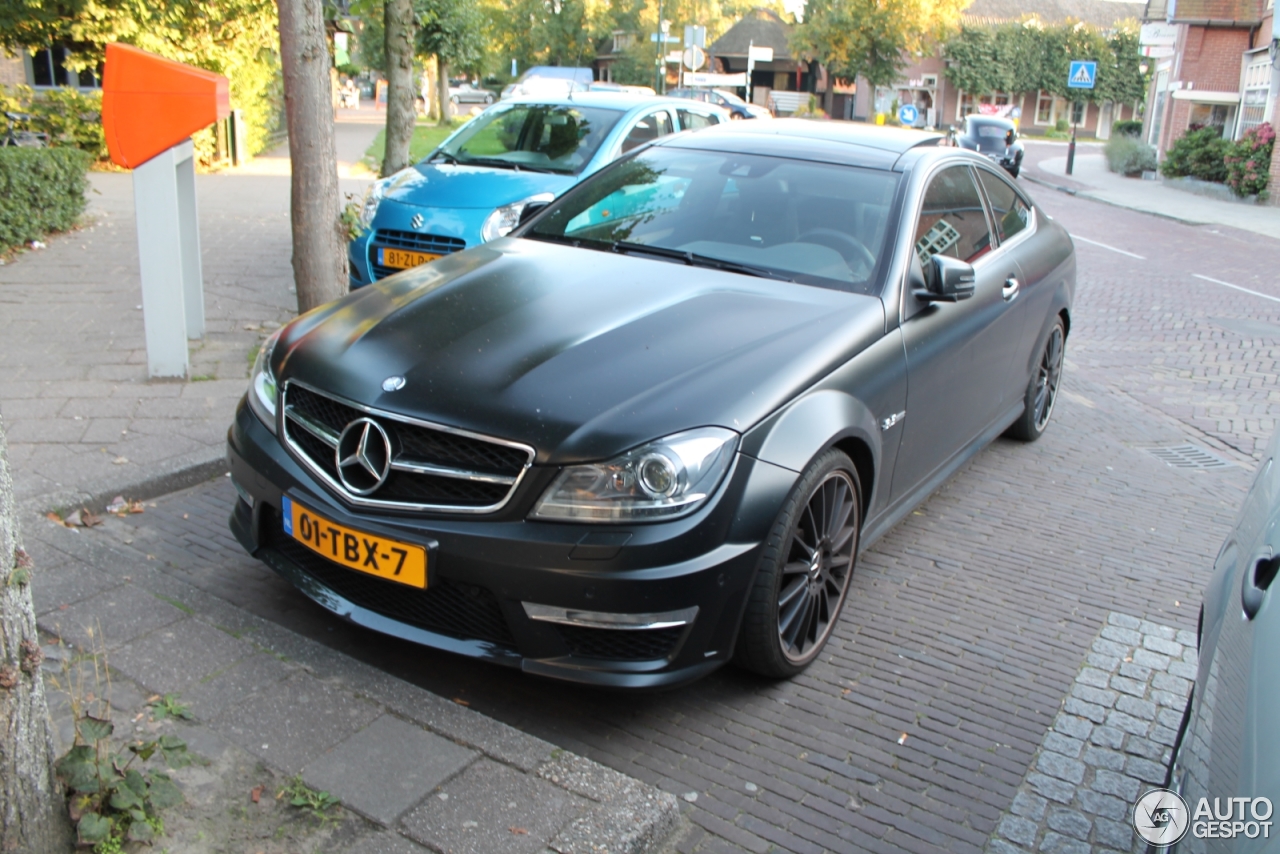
(651, 430)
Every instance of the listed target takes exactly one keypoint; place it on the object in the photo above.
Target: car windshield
(731, 98)
(814, 223)
(537, 137)
(991, 131)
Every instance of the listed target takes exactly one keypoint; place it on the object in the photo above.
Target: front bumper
(442, 231)
(534, 595)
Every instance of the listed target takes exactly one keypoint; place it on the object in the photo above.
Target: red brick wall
(1211, 58)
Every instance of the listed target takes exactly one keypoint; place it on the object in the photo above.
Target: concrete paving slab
(111, 620)
(214, 693)
(386, 768)
(491, 807)
(57, 586)
(293, 722)
(387, 842)
(178, 655)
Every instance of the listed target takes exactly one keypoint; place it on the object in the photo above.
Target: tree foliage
(1028, 57)
(872, 38)
(236, 38)
(452, 30)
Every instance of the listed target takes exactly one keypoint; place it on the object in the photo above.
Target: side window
(1012, 214)
(689, 120)
(952, 221)
(647, 129)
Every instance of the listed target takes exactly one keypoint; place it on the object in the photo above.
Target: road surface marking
(1105, 246)
(1237, 287)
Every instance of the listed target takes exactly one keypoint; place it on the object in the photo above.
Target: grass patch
(425, 139)
(186, 609)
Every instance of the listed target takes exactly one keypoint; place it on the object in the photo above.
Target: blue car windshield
(537, 137)
(814, 223)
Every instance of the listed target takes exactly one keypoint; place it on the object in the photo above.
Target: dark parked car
(995, 137)
(1227, 747)
(738, 108)
(650, 431)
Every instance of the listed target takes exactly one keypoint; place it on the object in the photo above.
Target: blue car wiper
(503, 164)
(443, 155)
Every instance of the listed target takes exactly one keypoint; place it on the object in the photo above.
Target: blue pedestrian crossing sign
(908, 114)
(1082, 75)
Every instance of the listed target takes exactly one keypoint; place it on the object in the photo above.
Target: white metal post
(169, 258)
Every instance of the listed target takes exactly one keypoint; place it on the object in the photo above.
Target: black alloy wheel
(805, 570)
(1042, 391)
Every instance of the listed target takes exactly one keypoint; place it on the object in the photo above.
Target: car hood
(440, 185)
(580, 353)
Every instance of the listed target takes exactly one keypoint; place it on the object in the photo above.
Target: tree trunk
(32, 812)
(319, 238)
(442, 91)
(400, 92)
(829, 96)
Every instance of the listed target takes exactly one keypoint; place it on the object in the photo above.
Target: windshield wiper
(504, 164)
(693, 259)
(443, 155)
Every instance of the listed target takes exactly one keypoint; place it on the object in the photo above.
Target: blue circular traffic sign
(907, 114)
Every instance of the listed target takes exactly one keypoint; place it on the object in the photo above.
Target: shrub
(41, 190)
(1249, 161)
(1061, 125)
(70, 117)
(1128, 127)
(1200, 153)
(1128, 155)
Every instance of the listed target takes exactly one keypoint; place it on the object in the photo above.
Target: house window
(993, 104)
(1257, 88)
(1078, 112)
(48, 69)
(1044, 108)
(1216, 116)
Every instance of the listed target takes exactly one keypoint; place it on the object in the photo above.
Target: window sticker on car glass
(937, 240)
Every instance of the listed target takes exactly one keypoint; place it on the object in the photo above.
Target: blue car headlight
(504, 219)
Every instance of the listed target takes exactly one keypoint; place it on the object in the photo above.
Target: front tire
(1042, 390)
(804, 573)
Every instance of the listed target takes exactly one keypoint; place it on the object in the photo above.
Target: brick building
(924, 82)
(1220, 72)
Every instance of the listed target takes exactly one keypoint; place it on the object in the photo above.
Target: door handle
(1257, 578)
(1010, 289)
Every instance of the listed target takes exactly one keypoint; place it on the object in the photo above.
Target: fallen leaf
(136, 507)
(120, 461)
(89, 520)
(902, 739)
(845, 691)
(256, 793)
(153, 698)
(460, 701)
(138, 716)
(55, 518)
(519, 831)
(22, 560)
(118, 505)
(73, 519)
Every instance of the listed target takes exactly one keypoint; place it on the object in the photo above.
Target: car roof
(999, 121)
(621, 101)
(849, 143)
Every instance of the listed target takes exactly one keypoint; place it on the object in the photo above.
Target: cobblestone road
(967, 626)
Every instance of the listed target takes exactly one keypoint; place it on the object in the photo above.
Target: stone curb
(163, 478)
(1082, 194)
(611, 811)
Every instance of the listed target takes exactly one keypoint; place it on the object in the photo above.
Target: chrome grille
(411, 240)
(433, 467)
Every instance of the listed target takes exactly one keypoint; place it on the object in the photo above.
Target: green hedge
(41, 190)
(1199, 153)
(1129, 155)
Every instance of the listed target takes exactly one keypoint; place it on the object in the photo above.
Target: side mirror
(946, 279)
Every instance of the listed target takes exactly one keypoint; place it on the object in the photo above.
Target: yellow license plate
(402, 259)
(386, 558)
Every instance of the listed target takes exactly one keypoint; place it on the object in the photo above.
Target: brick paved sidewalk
(419, 769)
(84, 421)
(1090, 179)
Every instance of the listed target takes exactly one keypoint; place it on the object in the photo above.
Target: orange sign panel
(150, 104)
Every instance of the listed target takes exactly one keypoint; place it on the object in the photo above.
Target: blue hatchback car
(474, 187)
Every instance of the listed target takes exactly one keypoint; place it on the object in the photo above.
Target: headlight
(262, 384)
(661, 480)
(507, 217)
(372, 198)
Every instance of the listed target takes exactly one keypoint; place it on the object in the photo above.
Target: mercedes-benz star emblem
(393, 384)
(363, 456)
(417, 221)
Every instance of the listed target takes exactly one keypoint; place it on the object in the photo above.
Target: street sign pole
(1082, 74)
